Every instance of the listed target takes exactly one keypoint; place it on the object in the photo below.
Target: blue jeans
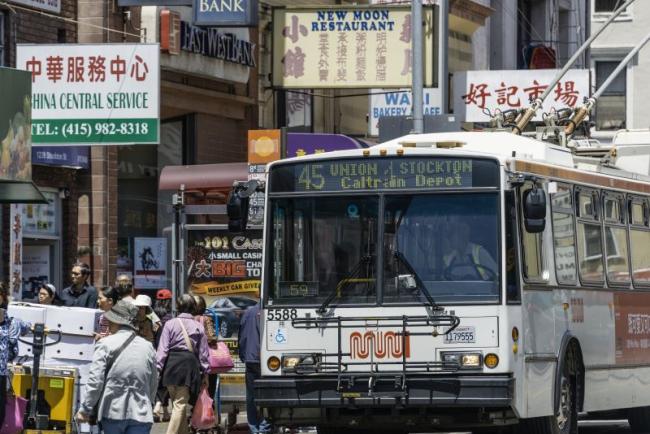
(256, 422)
(128, 426)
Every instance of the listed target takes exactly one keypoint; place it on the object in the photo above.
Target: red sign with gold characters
(632, 322)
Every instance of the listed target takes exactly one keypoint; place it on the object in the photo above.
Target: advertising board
(348, 47)
(93, 93)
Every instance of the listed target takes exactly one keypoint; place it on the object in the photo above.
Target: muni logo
(381, 344)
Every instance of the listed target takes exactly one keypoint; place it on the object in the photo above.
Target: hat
(164, 294)
(143, 301)
(123, 313)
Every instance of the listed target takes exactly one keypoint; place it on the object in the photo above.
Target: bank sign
(223, 13)
(93, 94)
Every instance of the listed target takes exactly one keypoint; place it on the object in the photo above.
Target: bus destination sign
(384, 174)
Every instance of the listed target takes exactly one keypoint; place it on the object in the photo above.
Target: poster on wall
(225, 269)
(40, 219)
(36, 269)
(16, 251)
(150, 264)
(15, 125)
(263, 147)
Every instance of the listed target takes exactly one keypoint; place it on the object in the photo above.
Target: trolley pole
(416, 64)
(443, 59)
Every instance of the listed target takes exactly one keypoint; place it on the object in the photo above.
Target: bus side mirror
(534, 210)
(237, 207)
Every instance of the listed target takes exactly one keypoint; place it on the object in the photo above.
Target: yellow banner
(214, 289)
(348, 47)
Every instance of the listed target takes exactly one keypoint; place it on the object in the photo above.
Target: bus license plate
(461, 335)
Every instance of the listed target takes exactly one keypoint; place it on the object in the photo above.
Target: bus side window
(531, 246)
(513, 292)
(639, 240)
(590, 242)
(616, 249)
(564, 235)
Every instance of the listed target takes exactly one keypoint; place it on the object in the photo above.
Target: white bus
(482, 281)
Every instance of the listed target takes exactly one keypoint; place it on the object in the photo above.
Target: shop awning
(203, 177)
(20, 192)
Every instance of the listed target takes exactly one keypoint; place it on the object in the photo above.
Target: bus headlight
(300, 363)
(464, 360)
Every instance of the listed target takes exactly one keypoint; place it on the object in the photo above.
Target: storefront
(208, 103)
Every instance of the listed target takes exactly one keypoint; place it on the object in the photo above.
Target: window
(532, 252)
(616, 249)
(639, 240)
(611, 106)
(564, 236)
(607, 6)
(590, 245)
(513, 293)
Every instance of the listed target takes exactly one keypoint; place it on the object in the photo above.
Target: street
(586, 427)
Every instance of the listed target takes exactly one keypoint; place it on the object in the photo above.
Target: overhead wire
(12, 6)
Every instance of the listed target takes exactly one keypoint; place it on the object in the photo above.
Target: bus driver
(464, 259)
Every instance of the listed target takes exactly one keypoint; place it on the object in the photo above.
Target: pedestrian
(183, 360)
(10, 330)
(123, 377)
(210, 332)
(162, 308)
(143, 321)
(249, 353)
(47, 295)
(124, 287)
(80, 293)
(108, 297)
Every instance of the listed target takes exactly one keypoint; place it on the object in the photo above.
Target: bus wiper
(367, 259)
(419, 284)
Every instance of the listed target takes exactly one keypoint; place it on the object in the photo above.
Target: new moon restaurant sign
(347, 47)
(93, 94)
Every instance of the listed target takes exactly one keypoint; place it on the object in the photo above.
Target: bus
(482, 281)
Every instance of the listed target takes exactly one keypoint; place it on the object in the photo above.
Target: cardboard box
(73, 320)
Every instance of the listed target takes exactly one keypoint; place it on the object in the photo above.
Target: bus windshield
(329, 247)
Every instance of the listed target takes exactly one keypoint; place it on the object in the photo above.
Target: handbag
(219, 359)
(94, 416)
(15, 407)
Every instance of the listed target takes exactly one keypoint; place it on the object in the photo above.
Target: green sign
(93, 94)
(384, 174)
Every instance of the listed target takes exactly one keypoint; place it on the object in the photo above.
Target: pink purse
(219, 359)
(15, 407)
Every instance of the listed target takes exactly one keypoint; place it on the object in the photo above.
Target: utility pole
(417, 70)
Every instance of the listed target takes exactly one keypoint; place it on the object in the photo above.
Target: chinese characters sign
(476, 92)
(632, 323)
(93, 94)
(15, 126)
(347, 47)
(263, 147)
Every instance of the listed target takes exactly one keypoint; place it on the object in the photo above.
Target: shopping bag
(219, 359)
(203, 414)
(15, 407)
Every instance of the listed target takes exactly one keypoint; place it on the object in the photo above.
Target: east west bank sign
(221, 13)
(221, 53)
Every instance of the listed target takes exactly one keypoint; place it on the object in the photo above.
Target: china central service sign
(93, 94)
(354, 47)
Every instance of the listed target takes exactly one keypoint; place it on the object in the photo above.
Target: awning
(203, 177)
(20, 192)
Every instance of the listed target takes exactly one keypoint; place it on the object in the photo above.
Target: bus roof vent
(590, 148)
(441, 145)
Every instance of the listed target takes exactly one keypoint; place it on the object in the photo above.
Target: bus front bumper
(494, 391)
